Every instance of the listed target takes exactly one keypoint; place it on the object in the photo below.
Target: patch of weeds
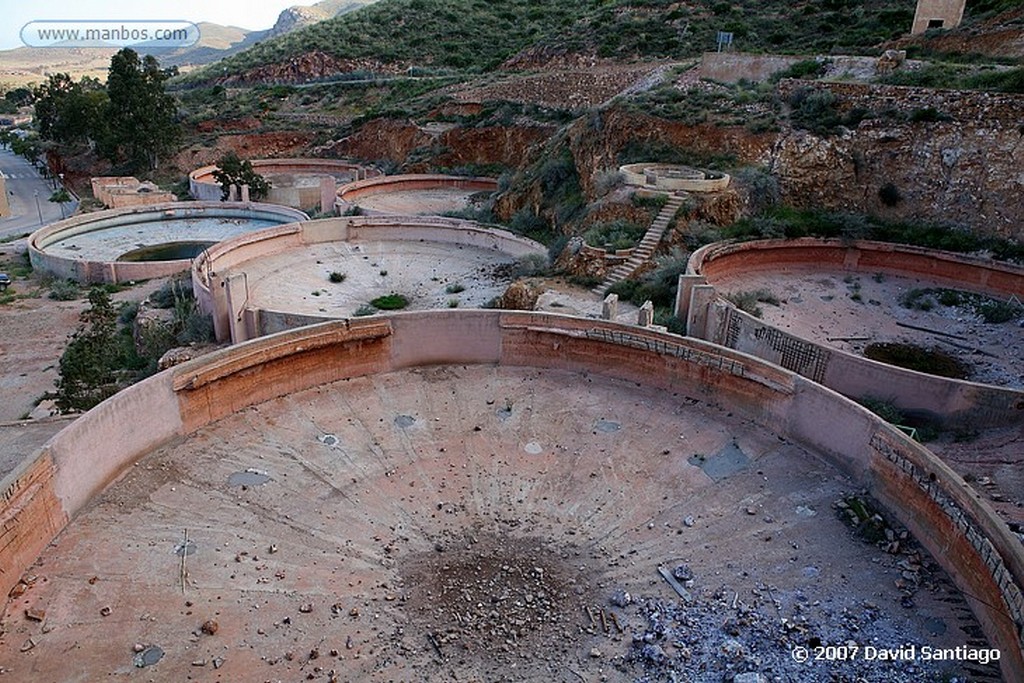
(878, 277)
(649, 201)
(364, 311)
(989, 309)
(614, 235)
(748, 300)
(315, 292)
(390, 302)
(587, 281)
(884, 409)
(532, 265)
(171, 292)
(932, 361)
(863, 517)
(455, 288)
(453, 303)
(64, 290)
(383, 273)
(128, 313)
(14, 238)
(336, 277)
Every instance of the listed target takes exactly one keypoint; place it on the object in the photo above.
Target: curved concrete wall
(221, 289)
(670, 178)
(348, 195)
(950, 401)
(945, 514)
(964, 272)
(203, 186)
(87, 271)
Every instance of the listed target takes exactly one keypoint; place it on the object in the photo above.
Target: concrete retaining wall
(203, 186)
(947, 516)
(946, 401)
(87, 271)
(216, 273)
(348, 195)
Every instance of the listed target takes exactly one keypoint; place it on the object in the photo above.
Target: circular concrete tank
(673, 177)
(412, 194)
(485, 495)
(293, 182)
(334, 268)
(139, 243)
(834, 298)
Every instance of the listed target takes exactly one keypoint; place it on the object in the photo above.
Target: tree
(62, 197)
(234, 171)
(92, 367)
(68, 112)
(19, 96)
(141, 117)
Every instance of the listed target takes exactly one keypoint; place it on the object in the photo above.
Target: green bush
(390, 302)
(94, 365)
(614, 235)
(64, 290)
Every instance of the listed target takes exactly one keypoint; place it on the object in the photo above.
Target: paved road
(23, 182)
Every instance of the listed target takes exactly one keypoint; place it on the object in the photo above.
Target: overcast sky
(251, 14)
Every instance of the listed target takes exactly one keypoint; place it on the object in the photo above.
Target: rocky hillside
(472, 35)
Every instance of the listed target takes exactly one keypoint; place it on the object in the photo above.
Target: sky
(249, 14)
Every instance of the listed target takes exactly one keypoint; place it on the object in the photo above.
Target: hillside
(25, 65)
(454, 34)
(474, 35)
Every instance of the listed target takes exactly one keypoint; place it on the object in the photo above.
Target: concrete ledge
(95, 271)
(949, 401)
(348, 195)
(946, 515)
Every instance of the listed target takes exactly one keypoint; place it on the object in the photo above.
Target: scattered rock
(621, 598)
(35, 614)
(210, 627)
(148, 657)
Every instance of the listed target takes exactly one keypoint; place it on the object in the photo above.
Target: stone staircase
(645, 250)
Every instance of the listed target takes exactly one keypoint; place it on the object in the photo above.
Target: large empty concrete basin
(496, 496)
(145, 242)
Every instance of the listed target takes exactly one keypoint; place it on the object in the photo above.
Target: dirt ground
(34, 330)
(476, 524)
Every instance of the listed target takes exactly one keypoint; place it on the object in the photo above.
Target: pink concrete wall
(202, 185)
(211, 271)
(86, 271)
(950, 401)
(946, 515)
(348, 195)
